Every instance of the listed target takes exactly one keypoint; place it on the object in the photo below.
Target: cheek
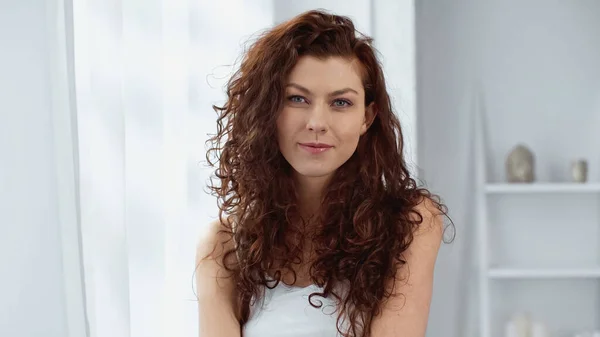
(349, 131)
(285, 126)
(281, 122)
(350, 141)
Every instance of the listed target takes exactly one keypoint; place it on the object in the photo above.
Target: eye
(341, 103)
(296, 99)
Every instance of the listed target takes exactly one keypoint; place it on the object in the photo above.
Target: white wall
(31, 288)
(358, 10)
(538, 66)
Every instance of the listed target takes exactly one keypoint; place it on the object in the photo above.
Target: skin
(325, 104)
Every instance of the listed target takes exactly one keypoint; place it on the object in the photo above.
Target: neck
(310, 192)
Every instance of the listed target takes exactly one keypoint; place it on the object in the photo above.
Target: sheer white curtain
(147, 73)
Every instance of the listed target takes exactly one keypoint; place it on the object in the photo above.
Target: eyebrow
(334, 93)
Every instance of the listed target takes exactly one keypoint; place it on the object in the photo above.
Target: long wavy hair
(367, 218)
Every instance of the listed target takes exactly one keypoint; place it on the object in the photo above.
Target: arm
(406, 314)
(215, 288)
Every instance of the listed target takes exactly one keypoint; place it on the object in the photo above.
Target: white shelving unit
(543, 273)
(506, 284)
(542, 188)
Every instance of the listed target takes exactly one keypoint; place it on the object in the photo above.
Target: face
(323, 115)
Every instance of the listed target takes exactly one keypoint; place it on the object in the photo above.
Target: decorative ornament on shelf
(579, 170)
(522, 325)
(539, 329)
(520, 165)
(519, 325)
(588, 334)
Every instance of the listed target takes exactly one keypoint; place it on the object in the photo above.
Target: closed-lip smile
(315, 148)
(317, 145)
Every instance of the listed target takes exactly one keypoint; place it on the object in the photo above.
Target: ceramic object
(579, 170)
(519, 326)
(520, 165)
(511, 330)
(539, 330)
(588, 334)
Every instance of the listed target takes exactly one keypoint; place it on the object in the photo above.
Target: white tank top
(286, 312)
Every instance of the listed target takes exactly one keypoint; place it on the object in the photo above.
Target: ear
(370, 113)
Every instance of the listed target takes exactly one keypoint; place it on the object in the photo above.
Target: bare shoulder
(214, 240)
(215, 285)
(429, 235)
(212, 255)
(409, 312)
(431, 216)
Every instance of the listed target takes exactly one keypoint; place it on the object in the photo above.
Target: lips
(317, 145)
(315, 148)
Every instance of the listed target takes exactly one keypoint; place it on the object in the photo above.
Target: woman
(322, 230)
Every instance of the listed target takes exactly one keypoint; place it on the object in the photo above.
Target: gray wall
(444, 54)
(537, 62)
(31, 288)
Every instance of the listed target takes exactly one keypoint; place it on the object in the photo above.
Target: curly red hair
(368, 215)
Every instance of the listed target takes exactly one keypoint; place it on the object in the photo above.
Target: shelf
(539, 273)
(524, 188)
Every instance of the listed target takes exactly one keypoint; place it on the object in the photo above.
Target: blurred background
(105, 106)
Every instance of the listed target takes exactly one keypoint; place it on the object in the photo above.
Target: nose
(317, 120)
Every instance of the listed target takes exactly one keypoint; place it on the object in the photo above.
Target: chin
(314, 172)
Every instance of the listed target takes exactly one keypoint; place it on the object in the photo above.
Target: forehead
(329, 74)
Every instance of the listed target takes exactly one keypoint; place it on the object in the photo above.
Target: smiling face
(323, 115)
